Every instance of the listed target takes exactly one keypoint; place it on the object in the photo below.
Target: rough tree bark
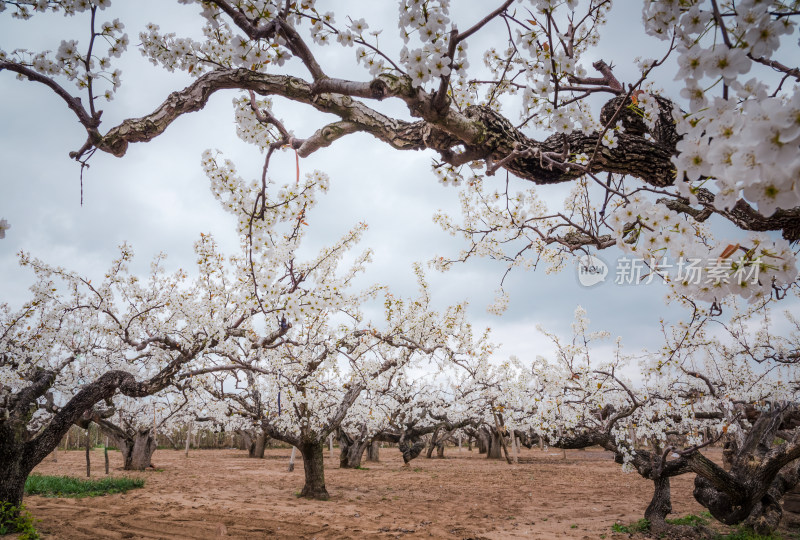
(257, 445)
(433, 443)
(482, 441)
(352, 449)
(373, 451)
(495, 449)
(137, 448)
(761, 472)
(13, 473)
(313, 464)
(660, 506)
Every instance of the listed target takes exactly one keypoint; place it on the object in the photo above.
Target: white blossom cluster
(79, 330)
(545, 62)
(220, 48)
(277, 340)
(25, 9)
(747, 142)
(84, 69)
(501, 225)
(654, 233)
(426, 22)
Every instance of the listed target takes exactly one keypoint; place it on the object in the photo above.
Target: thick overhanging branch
(102, 388)
(485, 133)
(642, 151)
(746, 217)
(741, 214)
(481, 131)
(397, 133)
(634, 154)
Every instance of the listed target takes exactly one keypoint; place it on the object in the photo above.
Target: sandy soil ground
(223, 493)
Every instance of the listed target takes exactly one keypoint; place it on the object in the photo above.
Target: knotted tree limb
(477, 133)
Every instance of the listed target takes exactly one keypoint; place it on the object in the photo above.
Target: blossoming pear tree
(135, 424)
(404, 413)
(77, 343)
(738, 386)
(301, 392)
(650, 167)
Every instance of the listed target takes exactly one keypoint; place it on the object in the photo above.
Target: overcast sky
(157, 199)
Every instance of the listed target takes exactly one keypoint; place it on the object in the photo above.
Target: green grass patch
(642, 525)
(691, 520)
(17, 520)
(67, 486)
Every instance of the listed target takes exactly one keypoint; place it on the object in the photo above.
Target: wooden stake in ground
(188, 438)
(155, 433)
(563, 450)
(105, 452)
(514, 447)
(330, 445)
(459, 443)
(88, 445)
(291, 459)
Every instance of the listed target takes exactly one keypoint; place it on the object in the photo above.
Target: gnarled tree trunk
(351, 450)
(21, 450)
(137, 449)
(760, 471)
(660, 506)
(495, 450)
(433, 442)
(482, 439)
(15, 466)
(410, 448)
(257, 445)
(313, 464)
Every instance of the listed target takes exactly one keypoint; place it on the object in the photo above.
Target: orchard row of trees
(300, 382)
(275, 340)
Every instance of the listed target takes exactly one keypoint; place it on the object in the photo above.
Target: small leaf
(728, 251)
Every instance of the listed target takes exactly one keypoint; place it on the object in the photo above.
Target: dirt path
(218, 493)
